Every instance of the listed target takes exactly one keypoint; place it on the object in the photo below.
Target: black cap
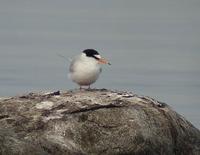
(91, 53)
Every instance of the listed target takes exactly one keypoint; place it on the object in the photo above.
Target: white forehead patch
(83, 54)
(97, 56)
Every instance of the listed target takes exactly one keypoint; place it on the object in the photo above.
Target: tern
(86, 67)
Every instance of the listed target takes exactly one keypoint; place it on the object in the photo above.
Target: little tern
(86, 67)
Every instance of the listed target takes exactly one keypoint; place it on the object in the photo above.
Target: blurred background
(153, 45)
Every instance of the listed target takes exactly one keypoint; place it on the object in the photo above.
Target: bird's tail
(65, 58)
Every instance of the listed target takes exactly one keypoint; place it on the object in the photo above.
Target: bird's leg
(80, 87)
(89, 87)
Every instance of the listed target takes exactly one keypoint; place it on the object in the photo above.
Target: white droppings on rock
(60, 111)
(47, 93)
(46, 119)
(137, 99)
(5, 98)
(57, 96)
(45, 105)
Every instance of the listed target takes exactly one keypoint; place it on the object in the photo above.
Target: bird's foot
(88, 88)
(85, 88)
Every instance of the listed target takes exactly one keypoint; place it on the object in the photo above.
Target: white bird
(86, 67)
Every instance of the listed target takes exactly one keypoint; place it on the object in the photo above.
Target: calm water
(154, 47)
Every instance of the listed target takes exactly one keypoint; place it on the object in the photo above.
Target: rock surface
(101, 122)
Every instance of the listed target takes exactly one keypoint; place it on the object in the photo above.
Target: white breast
(84, 70)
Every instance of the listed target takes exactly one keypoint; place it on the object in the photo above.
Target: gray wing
(72, 65)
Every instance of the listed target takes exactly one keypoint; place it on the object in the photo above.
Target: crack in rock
(93, 108)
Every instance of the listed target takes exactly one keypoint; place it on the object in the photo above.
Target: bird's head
(91, 53)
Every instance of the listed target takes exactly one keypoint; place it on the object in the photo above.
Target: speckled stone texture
(97, 122)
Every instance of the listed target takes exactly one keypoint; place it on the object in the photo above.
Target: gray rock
(101, 122)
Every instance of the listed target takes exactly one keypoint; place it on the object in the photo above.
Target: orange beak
(103, 61)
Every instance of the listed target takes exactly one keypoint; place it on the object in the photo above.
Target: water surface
(153, 46)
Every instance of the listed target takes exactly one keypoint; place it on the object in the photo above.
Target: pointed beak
(103, 61)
